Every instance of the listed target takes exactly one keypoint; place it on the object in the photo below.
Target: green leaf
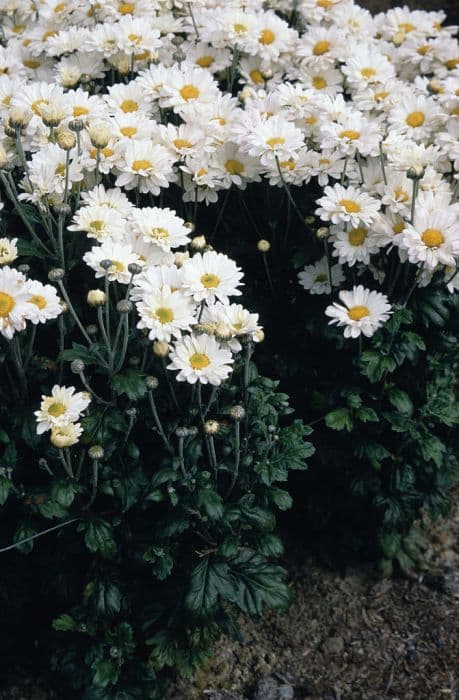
(367, 415)
(106, 671)
(5, 488)
(401, 401)
(211, 501)
(390, 543)
(130, 382)
(79, 352)
(209, 579)
(99, 537)
(281, 498)
(107, 597)
(63, 492)
(259, 583)
(339, 419)
(64, 623)
(269, 545)
(162, 476)
(51, 509)
(432, 448)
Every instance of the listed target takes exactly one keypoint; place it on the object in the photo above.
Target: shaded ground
(356, 637)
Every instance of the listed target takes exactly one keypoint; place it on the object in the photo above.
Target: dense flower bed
(147, 149)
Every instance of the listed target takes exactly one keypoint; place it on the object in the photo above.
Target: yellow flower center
(356, 236)
(368, 72)
(234, 167)
(117, 266)
(210, 281)
(325, 4)
(349, 134)
(96, 225)
(266, 37)
(256, 77)
(38, 300)
(129, 106)
(350, 206)
(324, 161)
(201, 172)
(321, 47)
(164, 315)
(401, 195)
(56, 409)
(159, 233)
(59, 8)
(7, 304)
(275, 141)
(126, 8)
(128, 131)
(47, 35)
(432, 237)
(422, 50)
(452, 63)
(204, 61)
(80, 111)
(287, 164)
(141, 164)
(310, 120)
(407, 27)
(398, 228)
(182, 143)
(380, 96)
(199, 360)
(60, 169)
(239, 28)
(189, 92)
(319, 83)
(321, 277)
(135, 38)
(355, 313)
(415, 119)
(35, 106)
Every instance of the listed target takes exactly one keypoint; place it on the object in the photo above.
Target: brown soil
(357, 637)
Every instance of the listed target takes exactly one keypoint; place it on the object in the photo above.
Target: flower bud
(198, 242)
(56, 274)
(92, 329)
(96, 297)
(223, 331)
(76, 125)
(106, 264)
(309, 220)
(258, 336)
(77, 366)
(322, 233)
(66, 140)
(24, 268)
(135, 268)
(151, 382)
(181, 432)
(179, 258)
(237, 413)
(178, 56)
(124, 306)
(62, 209)
(19, 118)
(189, 225)
(211, 427)
(99, 134)
(96, 452)
(266, 74)
(3, 158)
(263, 245)
(161, 348)
(51, 115)
(177, 40)
(416, 172)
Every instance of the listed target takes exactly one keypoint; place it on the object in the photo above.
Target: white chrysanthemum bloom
(328, 81)
(433, 239)
(99, 222)
(65, 435)
(234, 319)
(121, 257)
(365, 65)
(354, 244)
(133, 126)
(347, 204)
(398, 191)
(15, 307)
(126, 98)
(388, 227)
(211, 276)
(200, 358)
(81, 105)
(315, 278)
(47, 171)
(318, 10)
(113, 198)
(155, 278)
(187, 85)
(150, 254)
(268, 139)
(321, 46)
(274, 37)
(362, 312)
(416, 117)
(146, 166)
(186, 140)
(8, 250)
(404, 154)
(160, 226)
(44, 297)
(71, 69)
(165, 313)
(33, 96)
(205, 55)
(63, 406)
(353, 133)
(138, 38)
(234, 167)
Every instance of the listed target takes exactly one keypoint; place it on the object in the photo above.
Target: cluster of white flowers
(60, 412)
(204, 96)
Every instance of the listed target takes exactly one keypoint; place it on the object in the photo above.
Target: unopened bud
(211, 427)
(106, 264)
(92, 329)
(416, 172)
(62, 209)
(135, 268)
(66, 140)
(56, 274)
(76, 125)
(77, 366)
(179, 258)
(96, 452)
(198, 242)
(96, 297)
(177, 40)
(182, 432)
(161, 348)
(263, 245)
(266, 74)
(222, 331)
(124, 306)
(18, 118)
(24, 268)
(322, 233)
(237, 413)
(258, 336)
(151, 382)
(309, 220)
(99, 134)
(178, 56)
(51, 115)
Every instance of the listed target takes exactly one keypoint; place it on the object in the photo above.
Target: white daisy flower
(200, 358)
(347, 204)
(15, 307)
(354, 244)
(44, 297)
(65, 435)
(99, 222)
(433, 239)
(352, 133)
(211, 276)
(63, 406)
(8, 250)
(121, 257)
(315, 278)
(160, 226)
(111, 198)
(416, 117)
(234, 319)
(145, 165)
(362, 312)
(165, 313)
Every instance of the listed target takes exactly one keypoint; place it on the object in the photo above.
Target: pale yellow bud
(99, 134)
(96, 297)
(66, 140)
(263, 246)
(161, 348)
